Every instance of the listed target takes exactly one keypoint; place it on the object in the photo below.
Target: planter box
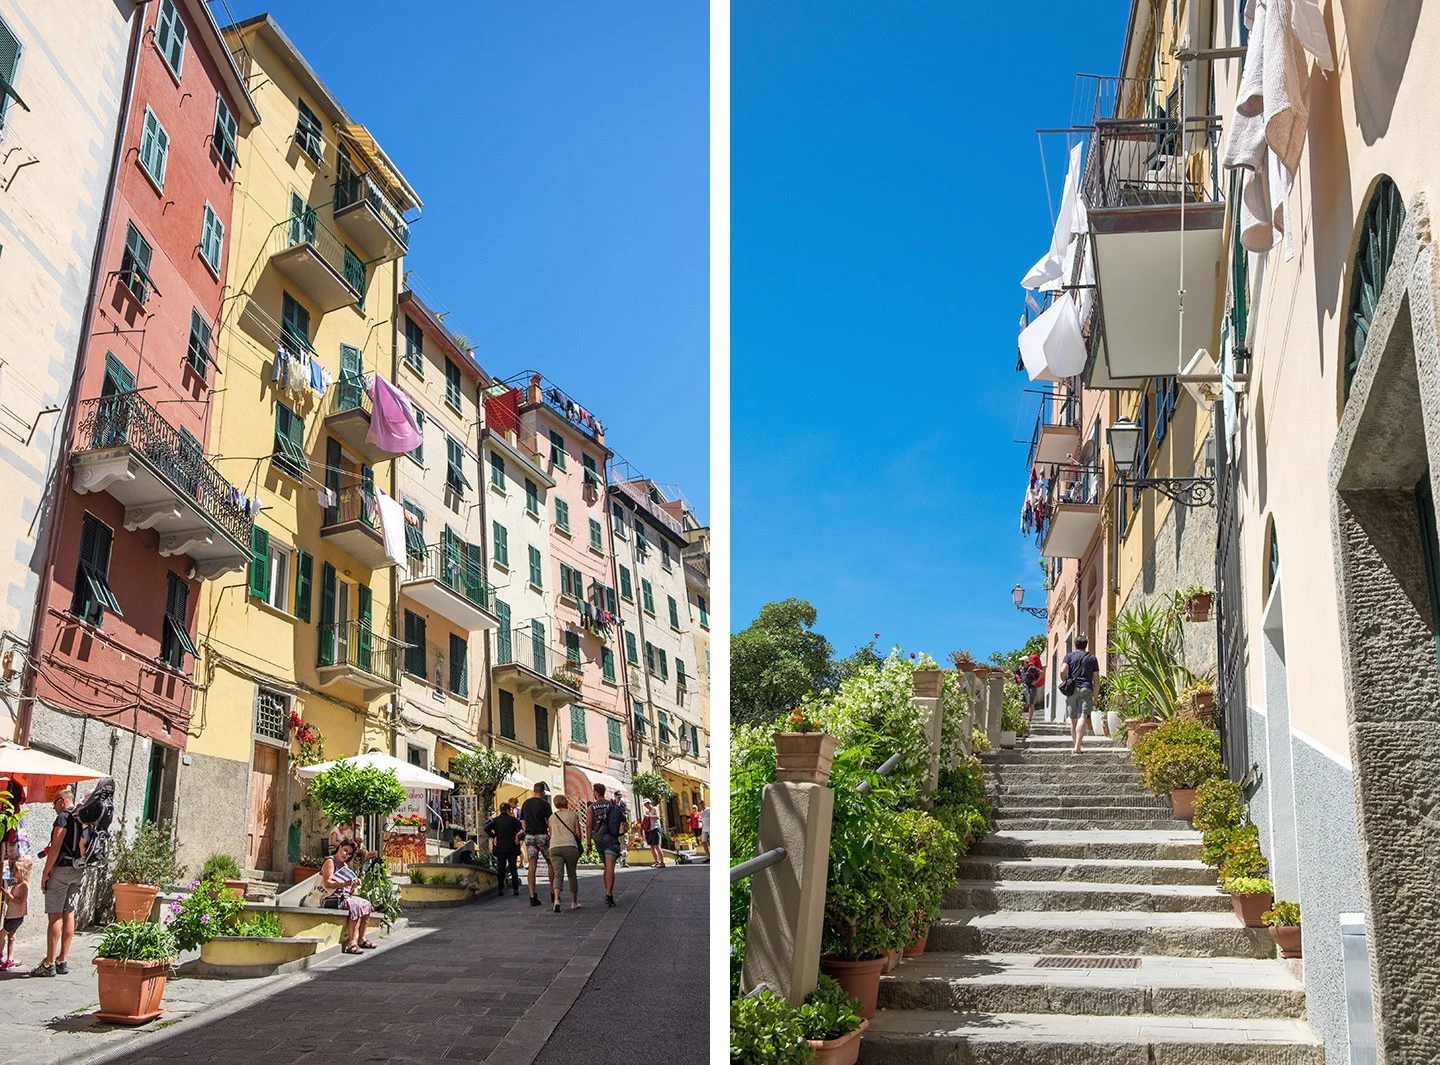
(423, 896)
(473, 876)
(130, 991)
(238, 888)
(842, 1051)
(1287, 938)
(804, 757)
(246, 957)
(928, 683)
(859, 978)
(1137, 730)
(405, 830)
(300, 873)
(1183, 802)
(1250, 908)
(134, 902)
(1197, 608)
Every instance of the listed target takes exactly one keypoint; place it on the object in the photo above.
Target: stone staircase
(1087, 930)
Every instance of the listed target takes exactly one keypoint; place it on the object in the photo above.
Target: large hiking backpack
(92, 820)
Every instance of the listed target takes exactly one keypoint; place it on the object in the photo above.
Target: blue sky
(887, 197)
(562, 151)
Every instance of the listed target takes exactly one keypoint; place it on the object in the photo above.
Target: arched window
(1272, 558)
(1379, 233)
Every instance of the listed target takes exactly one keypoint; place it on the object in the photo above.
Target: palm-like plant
(1149, 642)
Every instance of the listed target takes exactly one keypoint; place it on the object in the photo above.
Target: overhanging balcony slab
(371, 233)
(457, 608)
(1138, 255)
(358, 540)
(370, 684)
(544, 690)
(325, 286)
(353, 427)
(1072, 528)
(1057, 443)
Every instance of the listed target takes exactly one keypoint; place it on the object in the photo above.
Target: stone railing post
(787, 900)
(929, 686)
(994, 694)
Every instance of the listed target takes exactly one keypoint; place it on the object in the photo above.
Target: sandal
(347, 949)
(365, 944)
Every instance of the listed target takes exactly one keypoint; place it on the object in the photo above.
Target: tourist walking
(60, 881)
(705, 830)
(619, 798)
(1032, 686)
(342, 881)
(17, 899)
(505, 829)
(606, 830)
(653, 828)
(535, 815)
(564, 831)
(695, 822)
(1077, 683)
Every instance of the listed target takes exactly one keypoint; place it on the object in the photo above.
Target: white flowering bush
(955, 706)
(875, 709)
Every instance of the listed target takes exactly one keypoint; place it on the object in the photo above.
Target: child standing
(17, 897)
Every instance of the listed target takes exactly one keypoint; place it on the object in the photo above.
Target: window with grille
(507, 714)
(212, 239)
(308, 133)
(272, 715)
(226, 133)
(154, 148)
(197, 355)
(92, 575)
(170, 33)
(578, 732)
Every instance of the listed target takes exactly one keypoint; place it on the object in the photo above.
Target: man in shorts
(705, 830)
(60, 881)
(535, 817)
(607, 829)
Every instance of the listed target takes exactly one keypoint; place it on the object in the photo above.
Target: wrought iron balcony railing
(125, 419)
(356, 644)
(453, 571)
(361, 187)
(1079, 485)
(356, 503)
(350, 394)
(523, 647)
(1060, 408)
(1153, 162)
(306, 228)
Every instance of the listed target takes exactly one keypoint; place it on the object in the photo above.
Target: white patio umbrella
(411, 776)
(41, 772)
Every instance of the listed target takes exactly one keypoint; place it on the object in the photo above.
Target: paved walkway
(491, 982)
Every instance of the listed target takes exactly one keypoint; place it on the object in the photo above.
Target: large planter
(842, 1051)
(914, 950)
(804, 757)
(1287, 938)
(860, 979)
(1203, 704)
(1097, 722)
(928, 683)
(134, 902)
(1112, 722)
(130, 991)
(1197, 607)
(239, 887)
(302, 872)
(1250, 908)
(1138, 730)
(1183, 800)
(966, 667)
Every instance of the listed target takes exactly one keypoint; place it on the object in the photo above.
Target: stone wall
(207, 819)
(1182, 554)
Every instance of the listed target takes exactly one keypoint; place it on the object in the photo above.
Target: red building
(140, 514)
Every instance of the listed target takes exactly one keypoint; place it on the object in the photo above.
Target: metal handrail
(356, 643)
(757, 864)
(1069, 484)
(125, 419)
(1145, 162)
(1059, 408)
(361, 188)
(886, 768)
(453, 571)
(306, 228)
(351, 394)
(355, 503)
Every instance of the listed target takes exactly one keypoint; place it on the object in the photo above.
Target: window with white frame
(212, 239)
(279, 566)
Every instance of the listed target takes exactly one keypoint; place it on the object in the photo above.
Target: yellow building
(696, 559)
(318, 233)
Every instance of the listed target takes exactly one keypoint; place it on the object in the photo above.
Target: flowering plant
(211, 909)
(409, 821)
(312, 743)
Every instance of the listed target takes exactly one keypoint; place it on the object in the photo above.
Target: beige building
(696, 557)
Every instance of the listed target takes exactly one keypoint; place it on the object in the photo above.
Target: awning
(412, 776)
(39, 771)
(580, 781)
(379, 166)
(1052, 346)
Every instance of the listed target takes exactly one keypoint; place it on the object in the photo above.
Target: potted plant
(1251, 896)
(651, 785)
(832, 1022)
(139, 868)
(964, 661)
(803, 755)
(211, 909)
(1283, 920)
(1240, 853)
(132, 964)
(484, 771)
(1195, 602)
(766, 1030)
(348, 791)
(407, 824)
(223, 867)
(1198, 698)
(567, 674)
(306, 867)
(1177, 770)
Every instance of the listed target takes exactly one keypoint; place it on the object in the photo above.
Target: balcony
(354, 526)
(329, 274)
(349, 419)
(1157, 225)
(350, 651)
(1072, 512)
(535, 669)
(639, 493)
(1057, 428)
(370, 218)
(443, 583)
(124, 447)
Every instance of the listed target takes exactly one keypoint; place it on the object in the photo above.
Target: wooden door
(266, 776)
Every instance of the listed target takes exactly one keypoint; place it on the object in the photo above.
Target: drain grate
(1074, 962)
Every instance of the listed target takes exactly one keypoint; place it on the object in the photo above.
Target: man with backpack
(1032, 686)
(607, 829)
(60, 880)
(505, 829)
(1077, 683)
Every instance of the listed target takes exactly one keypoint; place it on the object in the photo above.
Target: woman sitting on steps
(342, 881)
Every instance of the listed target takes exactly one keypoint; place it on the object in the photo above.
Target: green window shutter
(664, 667)
(419, 453)
(537, 574)
(327, 615)
(627, 591)
(497, 470)
(170, 33)
(649, 656)
(9, 62)
(507, 714)
(304, 575)
(610, 603)
(577, 725)
(647, 596)
(631, 655)
(557, 449)
(674, 613)
(154, 147)
(704, 611)
(452, 383)
(198, 352)
(607, 664)
(612, 728)
(455, 478)
(538, 651)
(415, 534)
(459, 666)
(362, 635)
(542, 728)
(504, 638)
(226, 132)
(572, 647)
(695, 740)
(597, 539)
(680, 672)
(212, 238)
(259, 563)
(532, 496)
(414, 644)
(562, 515)
(502, 543)
(617, 521)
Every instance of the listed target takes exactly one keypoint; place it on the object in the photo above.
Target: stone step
(1095, 771)
(1060, 824)
(1065, 795)
(1178, 935)
(1079, 798)
(1050, 897)
(1175, 987)
(1082, 811)
(1061, 756)
(1086, 870)
(1154, 845)
(916, 1037)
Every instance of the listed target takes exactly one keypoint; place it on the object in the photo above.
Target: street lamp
(1017, 596)
(1125, 440)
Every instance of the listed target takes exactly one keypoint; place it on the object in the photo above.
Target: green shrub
(874, 709)
(1219, 803)
(137, 941)
(348, 790)
(1241, 855)
(1247, 885)
(1186, 765)
(766, 1030)
(928, 851)
(262, 926)
(651, 785)
(1213, 843)
(220, 867)
(828, 1012)
(1282, 915)
(979, 742)
(380, 891)
(149, 858)
(1175, 731)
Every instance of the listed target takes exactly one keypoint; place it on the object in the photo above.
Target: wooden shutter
(537, 648)
(304, 577)
(504, 637)
(459, 666)
(327, 615)
(259, 563)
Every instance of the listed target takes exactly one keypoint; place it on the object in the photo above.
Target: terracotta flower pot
(914, 950)
(928, 683)
(130, 991)
(1138, 730)
(302, 872)
(804, 757)
(1204, 703)
(860, 979)
(1249, 908)
(842, 1051)
(1197, 608)
(1183, 800)
(134, 902)
(239, 887)
(966, 667)
(1287, 938)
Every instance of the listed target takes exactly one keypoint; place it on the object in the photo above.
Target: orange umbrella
(39, 771)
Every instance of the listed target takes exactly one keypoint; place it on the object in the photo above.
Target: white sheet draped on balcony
(1272, 113)
(1053, 268)
(1052, 347)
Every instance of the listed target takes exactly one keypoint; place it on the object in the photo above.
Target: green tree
(346, 791)
(485, 771)
(1012, 661)
(777, 661)
(862, 658)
